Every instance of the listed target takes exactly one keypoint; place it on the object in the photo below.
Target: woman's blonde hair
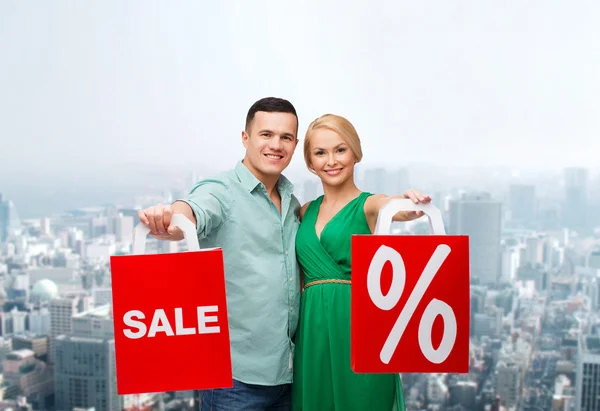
(339, 125)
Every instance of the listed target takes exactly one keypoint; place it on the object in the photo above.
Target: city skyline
(529, 311)
(51, 195)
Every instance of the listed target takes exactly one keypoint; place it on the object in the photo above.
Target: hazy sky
(94, 84)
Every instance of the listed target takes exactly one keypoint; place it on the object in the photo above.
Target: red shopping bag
(170, 317)
(410, 298)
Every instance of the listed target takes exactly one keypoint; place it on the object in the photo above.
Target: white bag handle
(387, 212)
(140, 232)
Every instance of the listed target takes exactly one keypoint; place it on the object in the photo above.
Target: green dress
(323, 377)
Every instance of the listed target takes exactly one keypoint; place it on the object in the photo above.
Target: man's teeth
(272, 156)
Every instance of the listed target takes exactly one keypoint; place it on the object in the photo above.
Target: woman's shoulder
(308, 205)
(303, 209)
(373, 202)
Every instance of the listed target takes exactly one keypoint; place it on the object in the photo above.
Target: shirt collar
(250, 182)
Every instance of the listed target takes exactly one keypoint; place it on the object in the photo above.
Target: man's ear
(245, 138)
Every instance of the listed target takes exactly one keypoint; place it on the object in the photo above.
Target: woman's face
(331, 157)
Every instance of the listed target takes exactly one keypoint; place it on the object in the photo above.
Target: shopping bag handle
(387, 212)
(140, 232)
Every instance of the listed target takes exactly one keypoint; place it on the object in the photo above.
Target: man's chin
(274, 169)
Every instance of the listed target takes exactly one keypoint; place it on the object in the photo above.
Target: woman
(323, 377)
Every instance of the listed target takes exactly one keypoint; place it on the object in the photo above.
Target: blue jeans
(247, 397)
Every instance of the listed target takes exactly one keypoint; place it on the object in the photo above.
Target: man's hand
(158, 218)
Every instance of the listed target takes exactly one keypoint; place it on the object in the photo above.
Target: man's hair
(270, 105)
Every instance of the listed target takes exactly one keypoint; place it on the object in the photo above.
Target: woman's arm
(375, 202)
(300, 273)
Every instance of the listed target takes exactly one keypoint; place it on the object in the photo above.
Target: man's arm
(210, 203)
(181, 207)
(158, 218)
(206, 206)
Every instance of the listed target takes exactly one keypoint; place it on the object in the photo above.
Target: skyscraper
(9, 219)
(522, 204)
(478, 216)
(376, 181)
(401, 181)
(508, 382)
(62, 311)
(588, 374)
(85, 368)
(575, 204)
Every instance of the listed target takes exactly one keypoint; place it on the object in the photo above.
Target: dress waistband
(325, 282)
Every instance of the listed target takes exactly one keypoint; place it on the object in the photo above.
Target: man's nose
(275, 143)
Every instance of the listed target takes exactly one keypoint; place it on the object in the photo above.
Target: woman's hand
(417, 197)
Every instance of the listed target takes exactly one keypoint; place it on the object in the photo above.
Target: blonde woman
(323, 377)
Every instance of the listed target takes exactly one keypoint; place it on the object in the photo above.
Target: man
(251, 213)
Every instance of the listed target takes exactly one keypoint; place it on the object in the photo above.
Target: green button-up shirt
(234, 212)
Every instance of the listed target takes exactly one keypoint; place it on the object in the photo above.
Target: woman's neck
(340, 194)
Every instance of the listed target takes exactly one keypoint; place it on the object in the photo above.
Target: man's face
(270, 143)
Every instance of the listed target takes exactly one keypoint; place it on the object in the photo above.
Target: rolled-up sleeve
(210, 201)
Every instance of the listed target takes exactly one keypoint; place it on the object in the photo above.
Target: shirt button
(291, 308)
(291, 278)
(286, 251)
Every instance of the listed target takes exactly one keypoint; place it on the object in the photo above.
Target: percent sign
(433, 309)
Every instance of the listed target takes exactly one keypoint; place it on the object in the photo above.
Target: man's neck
(270, 186)
(270, 182)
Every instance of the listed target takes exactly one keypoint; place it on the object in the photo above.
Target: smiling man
(251, 213)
